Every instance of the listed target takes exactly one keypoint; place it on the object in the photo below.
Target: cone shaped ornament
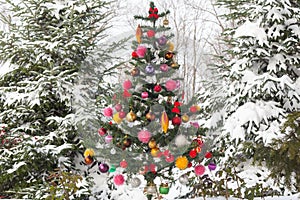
(138, 34)
(164, 122)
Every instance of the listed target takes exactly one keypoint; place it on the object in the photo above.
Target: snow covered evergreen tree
(46, 43)
(261, 68)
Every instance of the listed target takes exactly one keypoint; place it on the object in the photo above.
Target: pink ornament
(127, 84)
(150, 33)
(145, 95)
(164, 67)
(102, 131)
(118, 107)
(122, 114)
(171, 85)
(193, 109)
(144, 136)
(126, 94)
(141, 51)
(152, 168)
(166, 153)
(170, 158)
(108, 112)
(195, 124)
(123, 164)
(199, 170)
(108, 139)
(119, 179)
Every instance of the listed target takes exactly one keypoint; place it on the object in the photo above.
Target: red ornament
(176, 110)
(208, 155)
(134, 54)
(122, 114)
(157, 88)
(176, 121)
(126, 94)
(193, 109)
(190, 164)
(102, 131)
(193, 153)
(177, 104)
(123, 164)
(151, 33)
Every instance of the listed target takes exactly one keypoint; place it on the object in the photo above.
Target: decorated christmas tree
(145, 125)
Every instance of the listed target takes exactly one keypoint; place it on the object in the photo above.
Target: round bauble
(169, 55)
(151, 189)
(118, 107)
(119, 179)
(198, 149)
(162, 40)
(103, 168)
(135, 182)
(123, 164)
(212, 166)
(150, 116)
(135, 72)
(150, 33)
(164, 188)
(144, 136)
(157, 88)
(127, 142)
(108, 139)
(176, 121)
(89, 152)
(150, 69)
(102, 131)
(88, 160)
(208, 155)
(155, 151)
(117, 118)
(131, 116)
(166, 22)
(184, 179)
(122, 114)
(164, 67)
(152, 144)
(193, 153)
(144, 95)
(127, 84)
(199, 170)
(182, 162)
(185, 118)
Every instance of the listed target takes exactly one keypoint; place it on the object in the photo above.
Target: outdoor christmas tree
(261, 74)
(145, 126)
(45, 44)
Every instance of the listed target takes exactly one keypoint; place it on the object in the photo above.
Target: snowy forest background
(239, 59)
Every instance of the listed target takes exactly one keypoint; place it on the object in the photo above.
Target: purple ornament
(150, 69)
(162, 40)
(108, 139)
(103, 168)
(212, 166)
(164, 67)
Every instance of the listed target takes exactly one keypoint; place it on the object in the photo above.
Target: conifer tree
(261, 69)
(45, 45)
(145, 126)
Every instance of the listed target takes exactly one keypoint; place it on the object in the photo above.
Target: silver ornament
(184, 179)
(151, 189)
(135, 182)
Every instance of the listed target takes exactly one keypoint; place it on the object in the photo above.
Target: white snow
(16, 167)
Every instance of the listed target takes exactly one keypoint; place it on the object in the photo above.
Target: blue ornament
(150, 69)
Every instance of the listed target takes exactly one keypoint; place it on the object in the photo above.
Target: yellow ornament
(89, 153)
(155, 151)
(174, 65)
(185, 118)
(182, 162)
(164, 122)
(171, 46)
(152, 144)
(131, 116)
(139, 34)
(117, 118)
(198, 107)
(166, 22)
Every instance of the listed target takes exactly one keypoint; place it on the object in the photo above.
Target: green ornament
(112, 168)
(164, 189)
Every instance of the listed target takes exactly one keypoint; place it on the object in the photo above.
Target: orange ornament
(164, 122)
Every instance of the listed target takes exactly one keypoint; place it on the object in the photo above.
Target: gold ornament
(185, 118)
(89, 152)
(169, 55)
(131, 116)
(139, 34)
(155, 151)
(164, 122)
(152, 144)
(182, 162)
(174, 64)
(135, 72)
(88, 160)
(117, 118)
(166, 22)
(171, 46)
(150, 116)
(198, 107)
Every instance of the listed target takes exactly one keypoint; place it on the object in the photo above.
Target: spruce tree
(261, 72)
(45, 44)
(146, 128)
